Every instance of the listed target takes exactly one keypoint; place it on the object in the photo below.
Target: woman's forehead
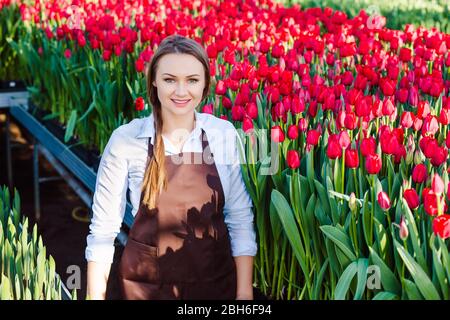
(180, 65)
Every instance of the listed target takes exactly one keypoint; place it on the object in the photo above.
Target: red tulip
(405, 54)
(212, 51)
(139, 104)
(140, 65)
(277, 134)
(441, 226)
(106, 55)
(373, 163)
(303, 125)
(368, 146)
(277, 50)
(237, 113)
(439, 156)
(351, 158)
(208, 108)
(383, 200)
(423, 109)
(221, 88)
(412, 198)
(312, 137)
(292, 132)
(293, 159)
(430, 203)
(387, 86)
(227, 104)
(334, 149)
(67, 53)
(247, 124)
(252, 110)
(419, 173)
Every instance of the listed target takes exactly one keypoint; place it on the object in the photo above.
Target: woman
(193, 234)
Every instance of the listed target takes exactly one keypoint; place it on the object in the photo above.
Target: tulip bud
(411, 146)
(412, 198)
(352, 202)
(403, 229)
(409, 158)
(384, 201)
(437, 185)
(418, 157)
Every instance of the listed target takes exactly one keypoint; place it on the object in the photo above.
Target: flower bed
(26, 272)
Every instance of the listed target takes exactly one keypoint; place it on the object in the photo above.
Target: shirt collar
(148, 128)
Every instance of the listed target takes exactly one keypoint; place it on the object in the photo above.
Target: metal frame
(65, 157)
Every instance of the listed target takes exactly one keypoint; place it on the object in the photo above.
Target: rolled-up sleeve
(109, 201)
(238, 213)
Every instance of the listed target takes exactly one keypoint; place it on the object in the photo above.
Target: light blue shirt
(122, 168)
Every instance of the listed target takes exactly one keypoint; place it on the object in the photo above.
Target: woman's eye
(194, 80)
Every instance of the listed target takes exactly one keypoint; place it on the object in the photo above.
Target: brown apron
(181, 249)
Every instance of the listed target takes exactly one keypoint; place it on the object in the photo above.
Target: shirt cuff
(100, 250)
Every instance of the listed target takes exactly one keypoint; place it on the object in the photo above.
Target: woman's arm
(239, 219)
(97, 280)
(244, 270)
(108, 209)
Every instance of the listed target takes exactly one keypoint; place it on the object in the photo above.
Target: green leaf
(411, 290)
(421, 279)
(388, 279)
(319, 280)
(363, 263)
(340, 239)
(290, 228)
(345, 280)
(5, 289)
(385, 295)
(70, 126)
(414, 235)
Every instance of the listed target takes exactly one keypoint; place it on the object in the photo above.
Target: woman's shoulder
(123, 138)
(217, 125)
(130, 129)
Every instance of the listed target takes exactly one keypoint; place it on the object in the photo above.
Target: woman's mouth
(180, 103)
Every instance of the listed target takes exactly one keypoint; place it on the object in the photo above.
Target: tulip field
(356, 112)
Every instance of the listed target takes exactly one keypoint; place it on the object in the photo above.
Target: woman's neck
(171, 123)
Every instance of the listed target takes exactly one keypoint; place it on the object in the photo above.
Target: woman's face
(180, 80)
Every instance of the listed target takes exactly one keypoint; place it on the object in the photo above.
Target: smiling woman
(193, 235)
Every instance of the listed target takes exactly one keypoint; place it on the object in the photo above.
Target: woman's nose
(181, 90)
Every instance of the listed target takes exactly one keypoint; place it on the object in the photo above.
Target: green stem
(356, 183)
(343, 172)
(291, 276)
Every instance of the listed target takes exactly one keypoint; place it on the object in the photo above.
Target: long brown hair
(155, 178)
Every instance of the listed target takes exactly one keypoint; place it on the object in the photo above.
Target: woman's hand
(244, 272)
(248, 296)
(97, 280)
